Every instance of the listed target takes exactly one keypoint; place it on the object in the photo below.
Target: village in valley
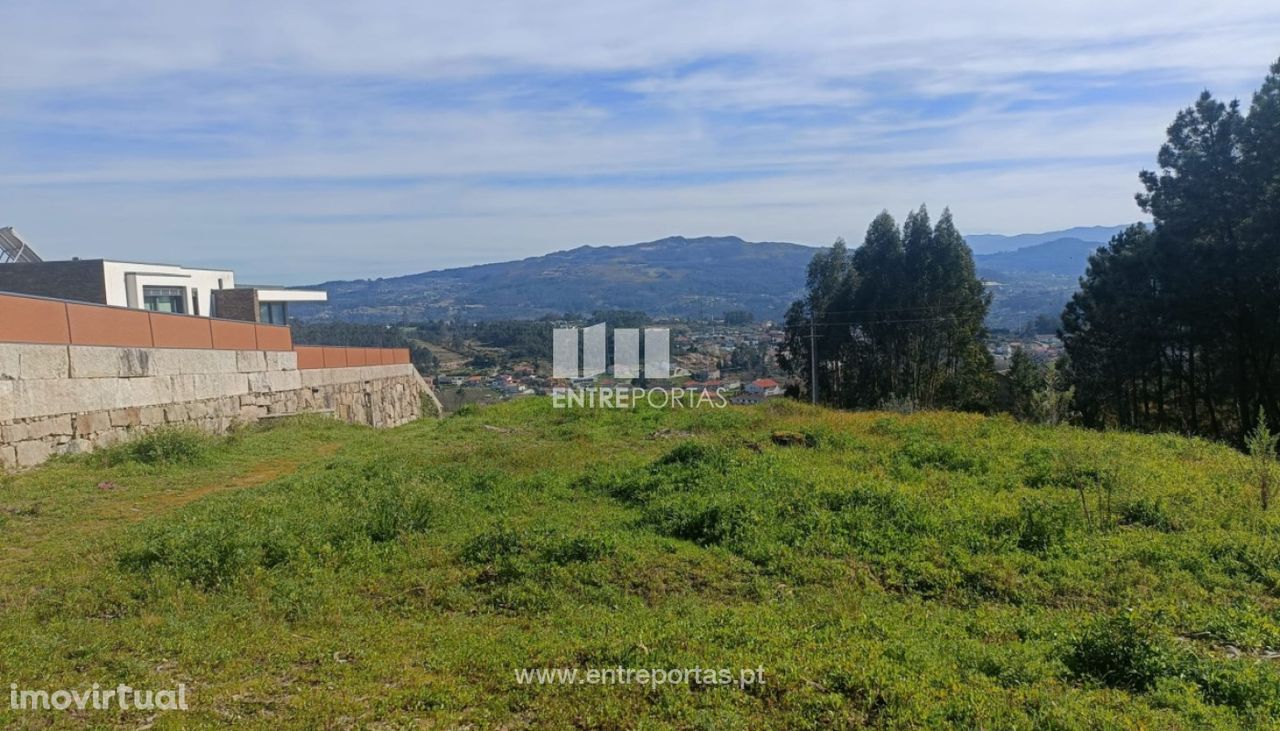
(733, 358)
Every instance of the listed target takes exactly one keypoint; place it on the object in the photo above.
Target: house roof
(765, 383)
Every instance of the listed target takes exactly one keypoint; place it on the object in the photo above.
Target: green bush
(580, 549)
(923, 453)
(1243, 685)
(498, 543)
(1121, 652)
(702, 520)
(696, 454)
(1044, 524)
(167, 446)
(1148, 512)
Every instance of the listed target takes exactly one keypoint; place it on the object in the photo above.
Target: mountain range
(997, 243)
(1065, 256)
(688, 277)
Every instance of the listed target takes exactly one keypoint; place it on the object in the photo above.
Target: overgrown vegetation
(1261, 444)
(927, 570)
(176, 445)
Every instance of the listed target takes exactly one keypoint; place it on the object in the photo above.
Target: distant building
(155, 287)
(764, 387)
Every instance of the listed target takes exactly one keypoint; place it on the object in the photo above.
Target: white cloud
(378, 138)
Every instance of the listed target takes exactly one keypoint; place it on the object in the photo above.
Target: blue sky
(303, 141)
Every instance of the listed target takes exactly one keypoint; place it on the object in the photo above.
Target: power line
(889, 309)
(873, 322)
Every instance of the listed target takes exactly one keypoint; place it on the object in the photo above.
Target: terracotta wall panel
(95, 325)
(335, 357)
(309, 357)
(27, 320)
(274, 337)
(180, 331)
(228, 335)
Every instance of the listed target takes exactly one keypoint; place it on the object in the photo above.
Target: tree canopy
(898, 319)
(1175, 325)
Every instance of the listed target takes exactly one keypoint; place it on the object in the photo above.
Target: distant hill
(685, 277)
(1066, 256)
(1034, 280)
(675, 276)
(994, 243)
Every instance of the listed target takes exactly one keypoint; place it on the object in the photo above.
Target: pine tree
(1175, 327)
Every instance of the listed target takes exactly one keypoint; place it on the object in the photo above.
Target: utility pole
(813, 362)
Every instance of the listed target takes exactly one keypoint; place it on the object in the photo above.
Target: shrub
(923, 453)
(388, 513)
(427, 407)
(1243, 686)
(695, 454)
(702, 521)
(206, 554)
(1043, 524)
(168, 446)
(1121, 652)
(500, 542)
(1150, 513)
(1261, 445)
(580, 549)
(1040, 467)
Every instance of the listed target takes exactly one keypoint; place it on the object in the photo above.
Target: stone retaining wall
(57, 399)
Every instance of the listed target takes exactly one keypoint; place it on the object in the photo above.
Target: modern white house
(156, 287)
(163, 287)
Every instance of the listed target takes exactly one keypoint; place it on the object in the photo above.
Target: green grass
(925, 571)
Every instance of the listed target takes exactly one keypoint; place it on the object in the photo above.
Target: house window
(164, 299)
(195, 302)
(273, 313)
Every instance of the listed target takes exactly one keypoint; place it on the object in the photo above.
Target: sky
(299, 142)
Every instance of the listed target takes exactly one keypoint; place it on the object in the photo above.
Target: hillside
(1034, 280)
(996, 243)
(682, 277)
(1059, 257)
(674, 276)
(926, 571)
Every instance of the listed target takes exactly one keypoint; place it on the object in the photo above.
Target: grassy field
(925, 571)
